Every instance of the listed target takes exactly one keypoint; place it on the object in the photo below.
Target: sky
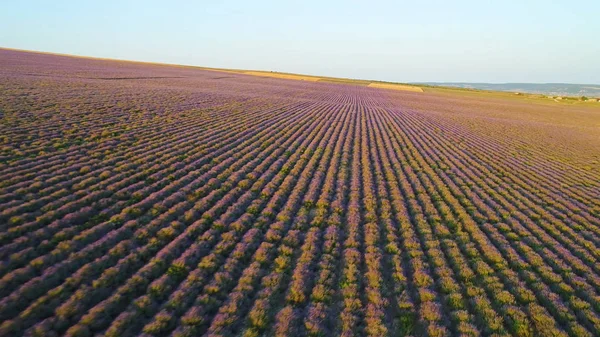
(401, 41)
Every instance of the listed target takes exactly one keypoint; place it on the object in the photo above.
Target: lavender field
(154, 200)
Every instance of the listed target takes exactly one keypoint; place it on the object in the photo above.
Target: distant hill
(560, 89)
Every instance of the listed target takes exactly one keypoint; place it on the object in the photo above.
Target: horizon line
(262, 70)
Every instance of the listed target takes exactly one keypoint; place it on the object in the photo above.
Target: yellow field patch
(396, 87)
(284, 76)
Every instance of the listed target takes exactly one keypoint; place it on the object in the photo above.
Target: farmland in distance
(153, 200)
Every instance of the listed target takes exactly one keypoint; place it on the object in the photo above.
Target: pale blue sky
(405, 41)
